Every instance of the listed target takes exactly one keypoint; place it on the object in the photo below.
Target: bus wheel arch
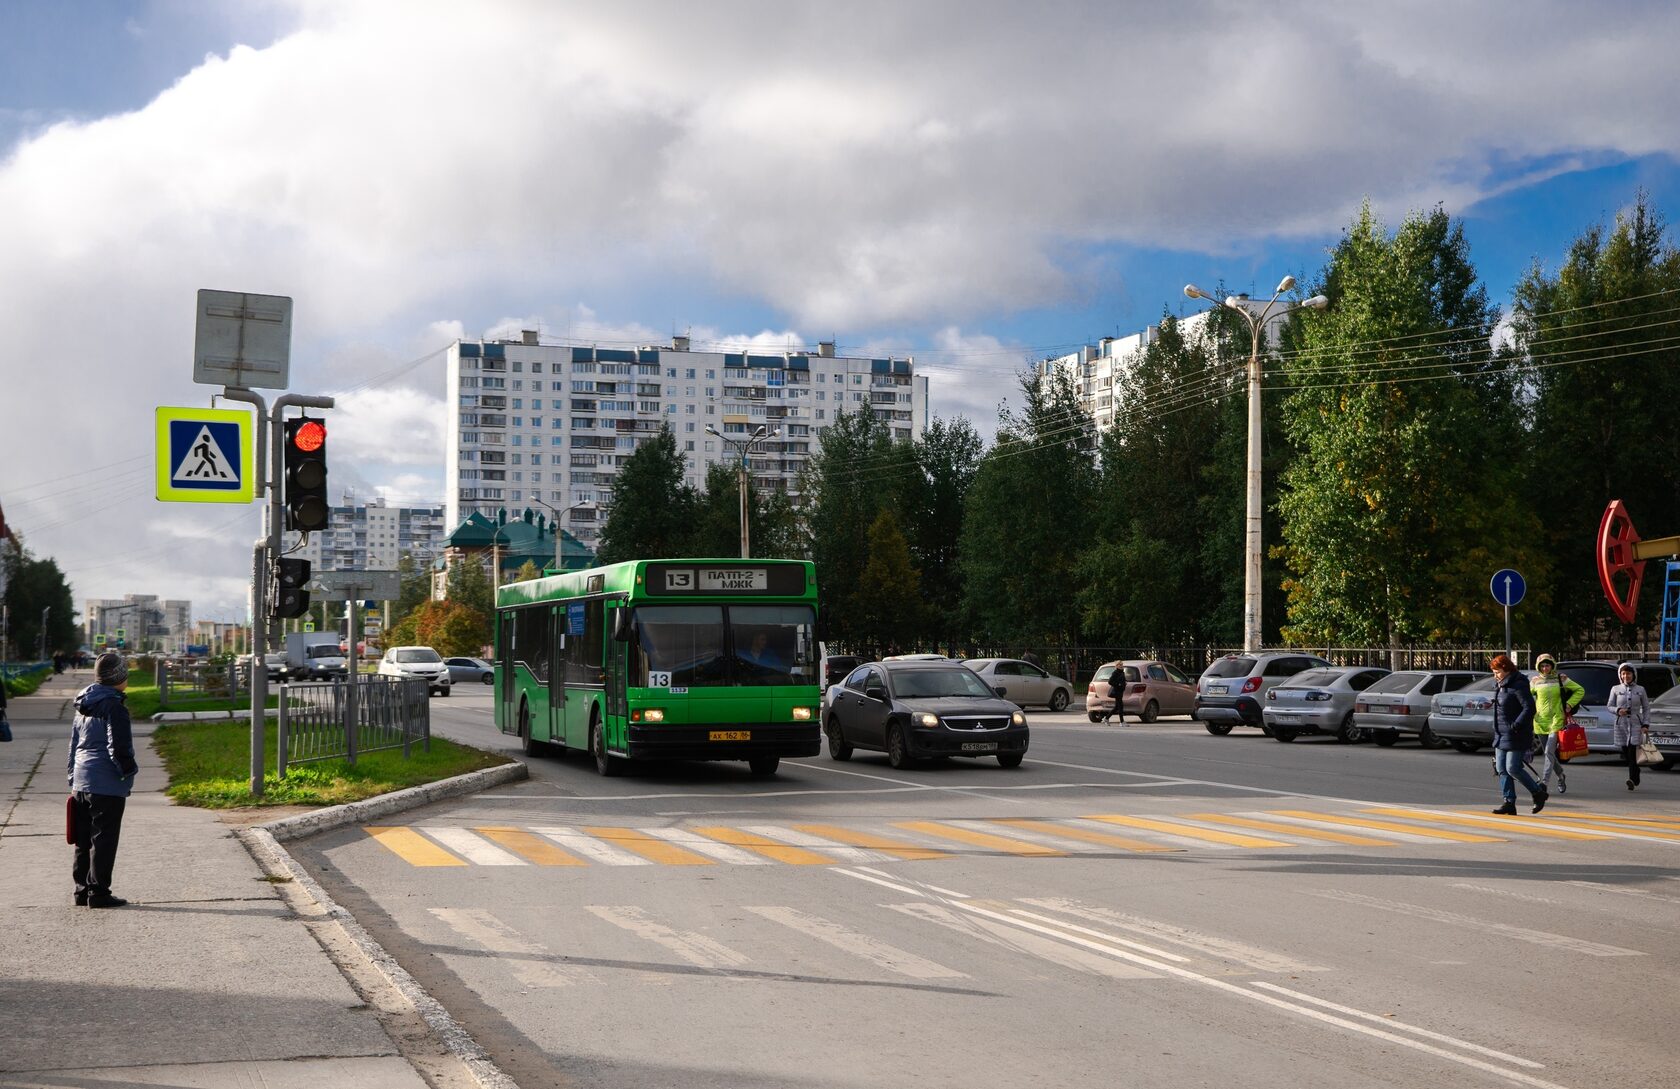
(605, 763)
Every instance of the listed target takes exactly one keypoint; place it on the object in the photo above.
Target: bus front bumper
(723, 742)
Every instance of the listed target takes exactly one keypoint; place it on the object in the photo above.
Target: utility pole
(44, 613)
(744, 447)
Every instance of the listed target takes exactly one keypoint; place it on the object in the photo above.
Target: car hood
(959, 705)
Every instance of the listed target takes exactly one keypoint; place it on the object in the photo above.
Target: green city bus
(662, 660)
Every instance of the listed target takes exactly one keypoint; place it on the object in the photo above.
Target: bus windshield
(715, 646)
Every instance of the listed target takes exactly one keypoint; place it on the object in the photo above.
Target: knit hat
(110, 668)
(1543, 659)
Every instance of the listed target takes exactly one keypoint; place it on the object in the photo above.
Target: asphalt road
(1139, 906)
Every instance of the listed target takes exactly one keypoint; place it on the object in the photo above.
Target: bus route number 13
(658, 680)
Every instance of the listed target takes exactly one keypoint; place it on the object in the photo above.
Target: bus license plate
(979, 746)
(730, 735)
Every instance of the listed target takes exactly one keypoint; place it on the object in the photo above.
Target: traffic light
(290, 597)
(306, 475)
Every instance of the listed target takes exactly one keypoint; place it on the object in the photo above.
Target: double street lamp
(744, 447)
(1256, 322)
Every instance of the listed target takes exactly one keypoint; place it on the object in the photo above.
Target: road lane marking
(495, 936)
(529, 846)
(923, 885)
(696, 949)
(875, 879)
(1473, 924)
(1017, 940)
(1660, 822)
(980, 839)
(1526, 897)
(1189, 831)
(474, 848)
(1075, 928)
(1205, 944)
(1087, 835)
(1610, 824)
(1643, 894)
(897, 848)
(694, 841)
(412, 847)
(1387, 826)
(590, 848)
(1292, 830)
(1255, 995)
(1425, 1033)
(828, 847)
(776, 852)
(1470, 820)
(876, 952)
(649, 847)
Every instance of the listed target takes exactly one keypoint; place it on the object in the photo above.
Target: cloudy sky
(977, 184)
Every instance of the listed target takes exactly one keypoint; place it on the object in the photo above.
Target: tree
(414, 585)
(887, 600)
(451, 628)
(652, 509)
(527, 571)
(946, 459)
(469, 585)
(1605, 378)
(33, 586)
(1396, 410)
(1028, 517)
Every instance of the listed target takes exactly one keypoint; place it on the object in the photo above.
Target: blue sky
(973, 183)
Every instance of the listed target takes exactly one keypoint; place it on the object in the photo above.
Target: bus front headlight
(802, 714)
(648, 714)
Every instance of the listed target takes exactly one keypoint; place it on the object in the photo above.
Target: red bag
(1572, 742)
(70, 819)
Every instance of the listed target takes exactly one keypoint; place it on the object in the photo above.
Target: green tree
(1605, 379)
(527, 571)
(33, 586)
(1028, 518)
(1397, 410)
(887, 599)
(469, 585)
(451, 628)
(946, 459)
(414, 585)
(652, 508)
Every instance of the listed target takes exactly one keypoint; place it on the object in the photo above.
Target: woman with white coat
(1632, 711)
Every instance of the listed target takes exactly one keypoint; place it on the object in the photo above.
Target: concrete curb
(205, 716)
(337, 816)
(455, 1039)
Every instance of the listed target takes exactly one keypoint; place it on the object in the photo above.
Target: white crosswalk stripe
(473, 847)
(527, 960)
(697, 949)
(591, 848)
(874, 951)
(711, 848)
(1021, 941)
(857, 855)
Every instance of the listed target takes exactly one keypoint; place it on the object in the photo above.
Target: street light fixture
(744, 446)
(1252, 551)
(559, 512)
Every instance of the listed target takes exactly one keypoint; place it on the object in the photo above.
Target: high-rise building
(548, 426)
(146, 622)
(372, 536)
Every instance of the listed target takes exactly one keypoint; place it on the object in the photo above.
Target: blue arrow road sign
(1508, 587)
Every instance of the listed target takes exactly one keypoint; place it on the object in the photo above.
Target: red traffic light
(310, 436)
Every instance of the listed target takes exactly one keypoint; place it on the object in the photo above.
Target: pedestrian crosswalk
(889, 841)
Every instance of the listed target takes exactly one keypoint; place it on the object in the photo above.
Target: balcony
(492, 400)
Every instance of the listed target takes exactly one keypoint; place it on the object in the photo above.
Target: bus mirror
(621, 625)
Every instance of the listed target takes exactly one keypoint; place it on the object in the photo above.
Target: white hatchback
(422, 663)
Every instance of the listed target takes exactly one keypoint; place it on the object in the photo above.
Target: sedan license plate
(979, 746)
(1287, 720)
(1452, 712)
(1217, 689)
(729, 735)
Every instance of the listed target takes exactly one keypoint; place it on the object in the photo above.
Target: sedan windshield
(934, 683)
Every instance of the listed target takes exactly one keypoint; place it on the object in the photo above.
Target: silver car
(1023, 683)
(1319, 701)
(1464, 719)
(1598, 678)
(470, 669)
(1398, 705)
(1232, 689)
(1665, 726)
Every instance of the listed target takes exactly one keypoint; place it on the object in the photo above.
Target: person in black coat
(101, 774)
(1513, 734)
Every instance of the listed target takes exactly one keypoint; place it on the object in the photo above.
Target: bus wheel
(605, 763)
(838, 747)
(529, 746)
(763, 766)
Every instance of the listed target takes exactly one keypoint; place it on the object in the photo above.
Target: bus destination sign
(781, 579)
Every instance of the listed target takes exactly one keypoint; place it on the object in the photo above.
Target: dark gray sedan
(470, 669)
(915, 710)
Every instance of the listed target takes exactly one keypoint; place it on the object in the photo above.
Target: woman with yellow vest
(1554, 694)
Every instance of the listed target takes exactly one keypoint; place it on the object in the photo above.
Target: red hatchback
(1152, 689)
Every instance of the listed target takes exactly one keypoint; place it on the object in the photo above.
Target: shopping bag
(1649, 755)
(70, 819)
(1572, 742)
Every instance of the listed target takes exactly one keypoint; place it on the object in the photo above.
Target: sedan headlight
(1019, 718)
(925, 719)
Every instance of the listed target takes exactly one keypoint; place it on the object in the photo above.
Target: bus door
(507, 709)
(556, 673)
(618, 660)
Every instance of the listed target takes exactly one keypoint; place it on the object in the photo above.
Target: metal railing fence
(200, 679)
(339, 719)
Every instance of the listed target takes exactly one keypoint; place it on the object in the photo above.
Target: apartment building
(547, 426)
(146, 622)
(372, 536)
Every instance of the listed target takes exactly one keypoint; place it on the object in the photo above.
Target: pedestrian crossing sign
(204, 455)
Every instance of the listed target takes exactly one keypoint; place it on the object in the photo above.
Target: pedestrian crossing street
(1107, 834)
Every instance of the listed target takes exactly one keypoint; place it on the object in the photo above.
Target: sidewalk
(212, 977)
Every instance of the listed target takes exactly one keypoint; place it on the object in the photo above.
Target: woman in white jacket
(1632, 711)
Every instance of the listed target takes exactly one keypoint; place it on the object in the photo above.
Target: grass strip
(209, 763)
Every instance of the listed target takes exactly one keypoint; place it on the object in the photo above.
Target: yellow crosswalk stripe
(413, 848)
(1610, 824)
(654, 850)
(769, 848)
(1388, 826)
(1294, 830)
(1489, 823)
(529, 846)
(1233, 839)
(1084, 835)
(981, 839)
(896, 847)
(1660, 824)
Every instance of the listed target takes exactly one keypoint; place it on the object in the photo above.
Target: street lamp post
(1252, 550)
(44, 614)
(744, 447)
(558, 512)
